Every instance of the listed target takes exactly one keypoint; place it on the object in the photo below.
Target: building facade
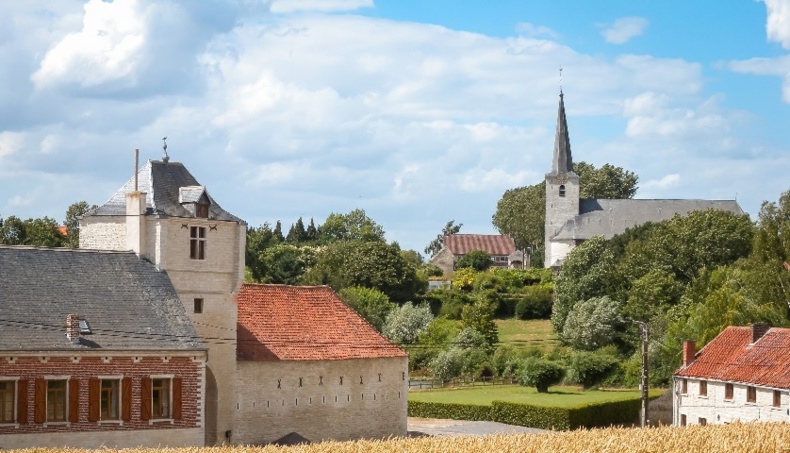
(501, 247)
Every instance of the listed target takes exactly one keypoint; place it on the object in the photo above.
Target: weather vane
(166, 158)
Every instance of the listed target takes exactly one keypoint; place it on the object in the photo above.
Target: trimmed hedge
(555, 418)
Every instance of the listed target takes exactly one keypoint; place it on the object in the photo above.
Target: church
(571, 220)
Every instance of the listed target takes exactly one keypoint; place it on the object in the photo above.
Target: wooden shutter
(74, 400)
(21, 401)
(145, 398)
(94, 399)
(126, 399)
(40, 407)
(177, 401)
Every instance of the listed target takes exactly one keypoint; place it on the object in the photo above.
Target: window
(160, 403)
(682, 419)
(110, 397)
(197, 243)
(728, 391)
(56, 401)
(751, 394)
(7, 392)
(201, 210)
(562, 190)
(198, 308)
(703, 388)
(703, 421)
(684, 386)
(161, 398)
(777, 398)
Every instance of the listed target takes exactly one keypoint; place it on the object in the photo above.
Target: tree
(405, 325)
(285, 263)
(540, 373)
(72, 222)
(436, 245)
(652, 294)
(480, 317)
(312, 231)
(258, 239)
(476, 259)
(13, 231)
(354, 226)
(605, 182)
(297, 233)
(592, 324)
(371, 304)
(588, 369)
(448, 364)
(42, 232)
(278, 232)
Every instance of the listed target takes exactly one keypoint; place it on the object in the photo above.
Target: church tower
(562, 192)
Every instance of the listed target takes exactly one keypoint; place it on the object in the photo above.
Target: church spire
(562, 162)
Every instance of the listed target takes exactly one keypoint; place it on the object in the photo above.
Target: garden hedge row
(556, 418)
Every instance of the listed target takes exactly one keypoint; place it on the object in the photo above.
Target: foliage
(540, 373)
(448, 364)
(371, 304)
(41, 232)
(448, 302)
(72, 222)
(505, 361)
(354, 226)
(521, 214)
(480, 317)
(652, 294)
(405, 324)
(464, 279)
(589, 369)
(469, 338)
(437, 244)
(432, 342)
(592, 324)
(476, 259)
(430, 270)
(284, 263)
(533, 302)
(605, 182)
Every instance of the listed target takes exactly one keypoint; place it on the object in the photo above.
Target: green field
(532, 334)
(557, 396)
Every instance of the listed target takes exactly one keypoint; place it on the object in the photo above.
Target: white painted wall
(716, 410)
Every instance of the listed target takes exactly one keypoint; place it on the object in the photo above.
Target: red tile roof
(732, 357)
(493, 244)
(280, 322)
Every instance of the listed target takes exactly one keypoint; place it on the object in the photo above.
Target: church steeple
(562, 162)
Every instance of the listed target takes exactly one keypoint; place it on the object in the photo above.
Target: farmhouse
(571, 220)
(742, 375)
(501, 247)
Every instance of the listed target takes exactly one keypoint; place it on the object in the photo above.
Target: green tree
(521, 214)
(405, 324)
(258, 239)
(278, 232)
(41, 232)
(437, 244)
(652, 294)
(605, 182)
(540, 373)
(13, 231)
(311, 232)
(354, 226)
(589, 369)
(285, 263)
(371, 304)
(476, 259)
(480, 317)
(72, 222)
(297, 233)
(448, 364)
(592, 324)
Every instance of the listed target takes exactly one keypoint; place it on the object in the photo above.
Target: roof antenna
(166, 158)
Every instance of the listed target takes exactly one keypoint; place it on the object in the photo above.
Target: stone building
(570, 220)
(95, 350)
(742, 375)
(501, 247)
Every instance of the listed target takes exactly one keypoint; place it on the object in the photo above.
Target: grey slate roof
(162, 183)
(610, 217)
(128, 304)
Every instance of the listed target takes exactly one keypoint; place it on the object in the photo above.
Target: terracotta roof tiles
(493, 244)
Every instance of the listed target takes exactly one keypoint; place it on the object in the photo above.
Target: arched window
(562, 190)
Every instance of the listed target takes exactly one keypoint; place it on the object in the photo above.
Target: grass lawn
(557, 396)
(537, 334)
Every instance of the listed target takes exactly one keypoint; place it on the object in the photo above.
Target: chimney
(135, 217)
(689, 351)
(758, 330)
(73, 328)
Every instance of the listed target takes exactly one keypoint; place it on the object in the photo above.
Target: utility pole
(644, 385)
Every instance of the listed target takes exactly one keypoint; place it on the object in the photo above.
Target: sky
(417, 111)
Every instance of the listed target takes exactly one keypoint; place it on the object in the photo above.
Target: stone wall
(559, 209)
(320, 400)
(445, 260)
(715, 409)
(103, 233)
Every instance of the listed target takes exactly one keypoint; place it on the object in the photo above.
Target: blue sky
(419, 112)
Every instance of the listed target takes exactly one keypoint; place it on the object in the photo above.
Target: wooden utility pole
(644, 420)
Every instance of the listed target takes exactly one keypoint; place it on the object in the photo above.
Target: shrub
(448, 364)
(464, 279)
(534, 302)
(540, 373)
(406, 323)
(592, 324)
(371, 304)
(469, 338)
(476, 259)
(505, 361)
(588, 369)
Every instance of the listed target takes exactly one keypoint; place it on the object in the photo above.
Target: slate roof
(128, 304)
(608, 218)
(280, 322)
(493, 244)
(732, 357)
(162, 183)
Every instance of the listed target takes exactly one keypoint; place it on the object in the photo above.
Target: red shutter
(21, 401)
(74, 400)
(40, 407)
(177, 384)
(126, 399)
(145, 398)
(94, 399)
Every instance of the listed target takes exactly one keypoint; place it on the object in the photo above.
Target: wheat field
(734, 438)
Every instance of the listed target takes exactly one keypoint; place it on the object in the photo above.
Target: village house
(741, 375)
(501, 247)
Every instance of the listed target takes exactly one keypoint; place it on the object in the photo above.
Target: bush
(592, 324)
(464, 279)
(371, 304)
(405, 324)
(534, 302)
(540, 373)
(505, 361)
(588, 369)
(448, 364)
(476, 259)
(469, 338)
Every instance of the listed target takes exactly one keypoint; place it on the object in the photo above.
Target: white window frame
(15, 400)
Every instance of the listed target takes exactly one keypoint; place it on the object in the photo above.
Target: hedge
(555, 418)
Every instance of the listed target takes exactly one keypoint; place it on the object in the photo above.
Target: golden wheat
(734, 438)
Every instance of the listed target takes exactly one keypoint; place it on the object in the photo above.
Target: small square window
(85, 328)
(198, 305)
(201, 210)
(751, 394)
(703, 421)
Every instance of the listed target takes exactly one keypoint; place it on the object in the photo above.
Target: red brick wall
(31, 368)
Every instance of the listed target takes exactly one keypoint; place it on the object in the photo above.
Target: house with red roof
(501, 247)
(309, 364)
(742, 375)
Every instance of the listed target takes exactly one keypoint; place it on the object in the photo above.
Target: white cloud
(663, 183)
(777, 26)
(536, 31)
(623, 29)
(289, 6)
(10, 143)
(779, 66)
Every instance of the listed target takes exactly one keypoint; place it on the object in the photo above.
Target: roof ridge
(65, 249)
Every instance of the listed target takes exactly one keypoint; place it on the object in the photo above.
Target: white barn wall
(716, 410)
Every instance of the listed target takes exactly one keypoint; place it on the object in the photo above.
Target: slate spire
(562, 162)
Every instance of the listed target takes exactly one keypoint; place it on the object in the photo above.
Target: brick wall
(81, 367)
(276, 398)
(716, 409)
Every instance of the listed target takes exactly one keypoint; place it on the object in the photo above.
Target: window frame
(197, 242)
(729, 391)
(703, 389)
(198, 305)
(562, 190)
(684, 386)
(65, 400)
(158, 415)
(751, 394)
(703, 421)
(14, 400)
(777, 402)
(114, 394)
(683, 420)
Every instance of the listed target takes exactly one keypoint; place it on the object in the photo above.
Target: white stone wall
(445, 260)
(716, 410)
(321, 408)
(192, 437)
(559, 210)
(103, 233)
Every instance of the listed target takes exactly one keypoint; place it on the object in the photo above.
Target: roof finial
(165, 158)
(560, 80)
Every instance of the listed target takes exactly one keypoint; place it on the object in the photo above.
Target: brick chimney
(73, 328)
(758, 330)
(689, 351)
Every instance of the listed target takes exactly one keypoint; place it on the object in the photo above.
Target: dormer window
(195, 200)
(562, 190)
(201, 210)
